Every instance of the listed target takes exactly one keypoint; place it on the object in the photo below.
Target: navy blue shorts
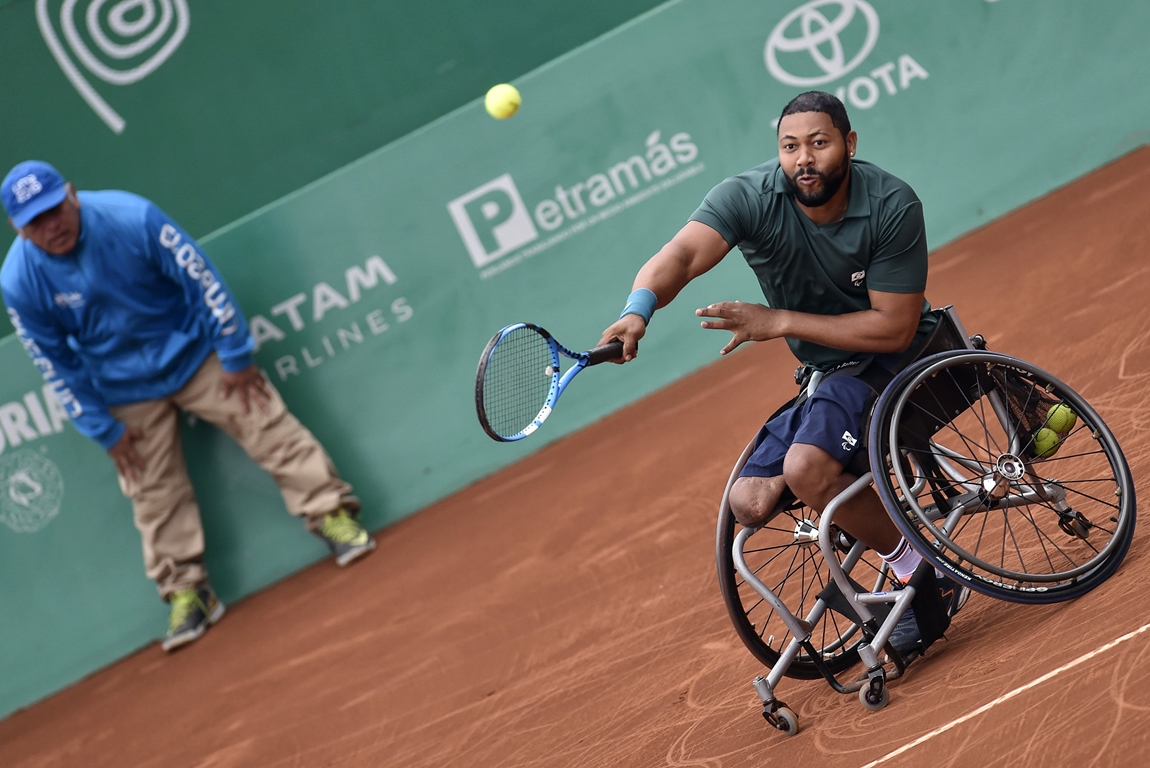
(833, 419)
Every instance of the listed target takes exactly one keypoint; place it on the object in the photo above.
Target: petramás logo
(823, 41)
(494, 221)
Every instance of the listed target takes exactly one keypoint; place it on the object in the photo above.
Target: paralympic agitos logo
(823, 41)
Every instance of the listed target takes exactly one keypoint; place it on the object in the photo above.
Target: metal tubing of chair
(813, 384)
(799, 628)
(1003, 414)
(786, 658)
(901, 600)
(942, 456)
(827, 546)
(764, 688)
(952, 313)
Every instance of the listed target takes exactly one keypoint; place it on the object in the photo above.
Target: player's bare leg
(816, 477)
(753, 499)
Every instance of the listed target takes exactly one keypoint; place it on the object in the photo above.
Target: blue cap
(31, 188)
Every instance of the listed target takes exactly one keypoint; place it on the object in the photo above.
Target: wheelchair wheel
(784, 554)
(992, 487)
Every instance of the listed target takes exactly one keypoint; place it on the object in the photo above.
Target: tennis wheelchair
(984, 472)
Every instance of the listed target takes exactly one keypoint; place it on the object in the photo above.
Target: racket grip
(612, 350)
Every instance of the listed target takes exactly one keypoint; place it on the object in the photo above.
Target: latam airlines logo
(494, 221)
(823, 41)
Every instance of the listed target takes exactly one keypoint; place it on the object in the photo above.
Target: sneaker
(193, 611)
(906, 639)
(954, 595)
(347, 539)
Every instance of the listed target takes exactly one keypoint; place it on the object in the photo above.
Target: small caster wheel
(781, 717)
(1075, 524)
(872, 700)
(786, 721)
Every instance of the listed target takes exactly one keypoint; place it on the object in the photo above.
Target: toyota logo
(819, 37)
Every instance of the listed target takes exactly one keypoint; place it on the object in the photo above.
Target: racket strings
(517, 381)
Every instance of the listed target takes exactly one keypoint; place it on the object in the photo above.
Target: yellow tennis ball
(502, 101)
(1061, 419)
(1046, 443)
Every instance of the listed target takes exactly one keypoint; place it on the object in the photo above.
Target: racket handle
(612, 350)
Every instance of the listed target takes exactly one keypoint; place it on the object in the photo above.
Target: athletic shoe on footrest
(347, 539)
(193, 611)
(906, 638)
(954, 595)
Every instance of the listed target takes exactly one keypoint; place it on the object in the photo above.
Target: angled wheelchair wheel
(1003, 476)
(784, 554)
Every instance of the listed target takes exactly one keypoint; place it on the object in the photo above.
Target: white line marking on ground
(1007, 697)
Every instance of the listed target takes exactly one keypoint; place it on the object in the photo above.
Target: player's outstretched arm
(694, 250)
(888, 326)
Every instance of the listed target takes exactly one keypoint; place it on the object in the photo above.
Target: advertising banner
(372, 292)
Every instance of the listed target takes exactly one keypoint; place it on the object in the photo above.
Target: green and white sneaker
(193, 611)
(347, 539)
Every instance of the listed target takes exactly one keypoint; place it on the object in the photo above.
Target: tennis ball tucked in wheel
(1061, 419)
(502, 101)
(1046, 443)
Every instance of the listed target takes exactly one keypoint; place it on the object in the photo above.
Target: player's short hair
(818, 101)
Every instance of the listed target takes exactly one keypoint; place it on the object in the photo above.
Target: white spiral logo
(118, 41)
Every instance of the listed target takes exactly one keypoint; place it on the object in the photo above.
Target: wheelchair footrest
(838, 602)
(929, 612)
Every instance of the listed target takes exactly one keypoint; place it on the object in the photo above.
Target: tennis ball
(502, 101)
(1061, 419)
(1046, 443)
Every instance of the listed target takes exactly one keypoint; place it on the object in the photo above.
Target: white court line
(1006, 697)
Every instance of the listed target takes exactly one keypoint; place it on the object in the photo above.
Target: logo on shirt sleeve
(73, 300)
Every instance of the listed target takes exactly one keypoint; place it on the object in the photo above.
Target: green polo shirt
(823, 269)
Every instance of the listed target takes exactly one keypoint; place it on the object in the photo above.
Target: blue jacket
(129, 315)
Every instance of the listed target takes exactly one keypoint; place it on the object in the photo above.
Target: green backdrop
(374, 289)
(259, 97)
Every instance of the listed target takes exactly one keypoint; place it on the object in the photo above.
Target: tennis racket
(519, 381)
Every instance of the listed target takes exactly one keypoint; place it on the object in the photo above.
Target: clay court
(565, 611)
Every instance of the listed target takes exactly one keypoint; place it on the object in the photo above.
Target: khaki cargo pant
(163, 501)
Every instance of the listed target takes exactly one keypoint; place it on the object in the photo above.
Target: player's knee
(753, 500)
(811, 474)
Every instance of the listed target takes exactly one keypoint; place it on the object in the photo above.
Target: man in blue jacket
(130, 323)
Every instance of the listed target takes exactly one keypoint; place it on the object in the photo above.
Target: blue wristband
(641, 302)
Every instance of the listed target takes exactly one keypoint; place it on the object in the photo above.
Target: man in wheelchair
(839, 249)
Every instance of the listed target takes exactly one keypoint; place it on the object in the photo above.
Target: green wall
(374, 289)
(263, 96)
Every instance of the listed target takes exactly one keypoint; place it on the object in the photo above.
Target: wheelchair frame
(865, 608)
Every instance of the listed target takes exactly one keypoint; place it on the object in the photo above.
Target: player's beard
(830, 184)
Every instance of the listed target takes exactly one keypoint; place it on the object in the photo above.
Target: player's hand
(627, 329)
(249, 385)
(748, 322)
(128, 462)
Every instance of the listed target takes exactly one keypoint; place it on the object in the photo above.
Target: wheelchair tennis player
(839, 249)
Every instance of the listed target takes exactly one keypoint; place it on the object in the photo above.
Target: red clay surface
(491, 632)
